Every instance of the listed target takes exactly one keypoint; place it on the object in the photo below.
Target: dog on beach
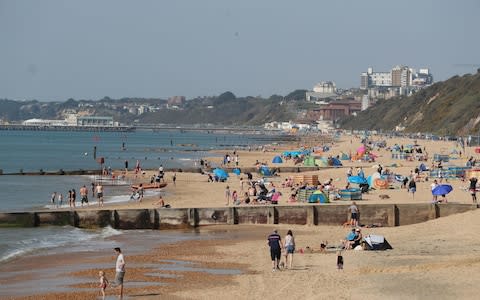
(383, 196)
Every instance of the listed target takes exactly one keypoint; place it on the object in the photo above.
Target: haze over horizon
(54, 50)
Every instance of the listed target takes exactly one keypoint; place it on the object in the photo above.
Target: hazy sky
(88, 49)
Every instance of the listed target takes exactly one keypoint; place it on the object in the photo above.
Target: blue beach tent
(220, 173)
(277, 160)
(265, 171)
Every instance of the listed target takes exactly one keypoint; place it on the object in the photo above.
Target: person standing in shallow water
(119, 271)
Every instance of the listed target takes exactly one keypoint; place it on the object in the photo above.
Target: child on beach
(339, 260)
(103, 283)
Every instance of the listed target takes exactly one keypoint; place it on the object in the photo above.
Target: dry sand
(438, 259)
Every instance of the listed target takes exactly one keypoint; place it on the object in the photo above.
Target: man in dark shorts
(275, 243)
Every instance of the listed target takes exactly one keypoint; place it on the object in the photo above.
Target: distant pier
(66, 128)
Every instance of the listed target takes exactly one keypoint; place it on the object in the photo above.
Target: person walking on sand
(103, 283)
(412, 187)
(339, 260)
(289, 249)
(119, 271)
(275, 243)
(174, 179)
(99, 190)
(227, 195)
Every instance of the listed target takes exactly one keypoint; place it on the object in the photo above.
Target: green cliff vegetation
(450, 107)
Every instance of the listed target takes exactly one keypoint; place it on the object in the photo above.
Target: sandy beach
(437, 259)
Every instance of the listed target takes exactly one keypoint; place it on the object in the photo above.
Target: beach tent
(220, 173)
(321, 162)
(265, 171)
(318, 197)
(422, 167)
(371, 178)
(336, 162)
(344, 156)
(357, 179)
(277, 160)
(309, 161)
(376, 242)
(236, 171)
(380, 184)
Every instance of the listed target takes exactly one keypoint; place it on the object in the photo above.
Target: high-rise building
(399, 76)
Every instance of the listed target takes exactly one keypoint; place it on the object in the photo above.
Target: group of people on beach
(97, 191)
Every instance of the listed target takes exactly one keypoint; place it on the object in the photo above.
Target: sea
(35, 151)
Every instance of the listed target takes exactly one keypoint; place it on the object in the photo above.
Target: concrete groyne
(386, 215)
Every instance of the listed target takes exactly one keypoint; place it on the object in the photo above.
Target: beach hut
(277, 160)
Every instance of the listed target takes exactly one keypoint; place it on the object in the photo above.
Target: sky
(53, 50)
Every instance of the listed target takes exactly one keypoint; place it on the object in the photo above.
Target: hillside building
(322, 90)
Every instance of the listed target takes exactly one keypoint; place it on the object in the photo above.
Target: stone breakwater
(386, 215)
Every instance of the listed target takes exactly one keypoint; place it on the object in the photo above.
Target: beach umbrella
(442, 189)
(477, 150)
(236, 171)
(357, 179)
(277, 160)
(220, 173)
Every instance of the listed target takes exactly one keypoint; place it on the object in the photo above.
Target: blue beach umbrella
(236, 171)
(442, 189)
(357, 179)
(222, 174)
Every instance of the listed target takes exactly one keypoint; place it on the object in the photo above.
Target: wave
(35, 239)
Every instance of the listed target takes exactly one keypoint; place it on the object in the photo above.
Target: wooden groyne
(386, 215)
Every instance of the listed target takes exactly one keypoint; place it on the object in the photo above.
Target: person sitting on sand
(160, 202)
(348, 241)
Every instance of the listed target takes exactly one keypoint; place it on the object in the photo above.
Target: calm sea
(52, 151)
(32, 151)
